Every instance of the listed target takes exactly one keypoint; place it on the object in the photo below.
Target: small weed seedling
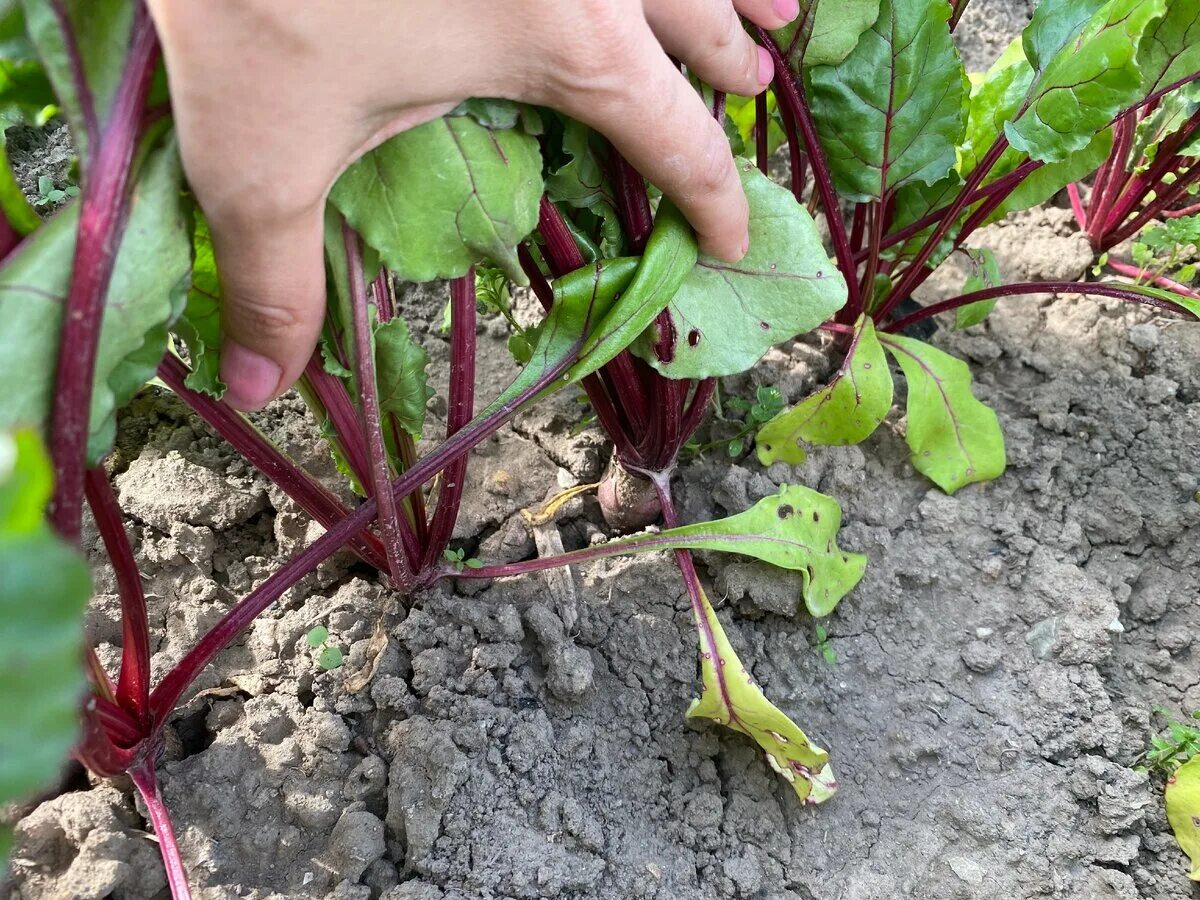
(1174, 745)
(328, 656)
(49, 195)
(823, 646)
(740, 420)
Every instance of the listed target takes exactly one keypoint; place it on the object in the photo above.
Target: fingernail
(253, 380)
(787, 9)
(746, 244)
(766, 66)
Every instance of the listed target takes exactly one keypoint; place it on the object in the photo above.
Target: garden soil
(989, 697)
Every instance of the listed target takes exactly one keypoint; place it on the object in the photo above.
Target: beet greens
(904, 154)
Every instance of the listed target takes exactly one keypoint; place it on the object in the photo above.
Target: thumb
(273, 302)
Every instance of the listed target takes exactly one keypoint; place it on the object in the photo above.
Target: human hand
(273, 100)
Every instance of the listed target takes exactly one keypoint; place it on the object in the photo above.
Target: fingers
(659, 123)
(768, 14)
(708, 37)
(272, 304)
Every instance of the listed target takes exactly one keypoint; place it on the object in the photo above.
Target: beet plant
(120, 287)
(908, 156)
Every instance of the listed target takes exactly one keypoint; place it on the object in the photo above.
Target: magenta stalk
(1027, 289)
(308, 493)
(146, 781)
(372, 428)
(102, 213)
(461, 408)
(133, 683)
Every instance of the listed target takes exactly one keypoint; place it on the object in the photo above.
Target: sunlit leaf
(439, 198)
(731, 698)
(725, 316)
(892, 112)
(824, 32)
(1183, 811)
(955, 439)
(845, 411)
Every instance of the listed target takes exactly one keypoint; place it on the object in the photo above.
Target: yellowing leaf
(1183, 811)
(846, 411)
(955, 439)
(731, 698)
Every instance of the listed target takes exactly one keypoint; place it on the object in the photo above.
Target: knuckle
(712, 167)
(264, 317)
(596, 53)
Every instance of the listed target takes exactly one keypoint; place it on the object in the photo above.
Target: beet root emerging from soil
(628, 502)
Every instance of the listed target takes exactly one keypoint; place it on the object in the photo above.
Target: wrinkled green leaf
(1043, 183)
(725, 316)
(1083, 72)
(200, 325)
(102, 30)
(731, 698)
(1170, 48)
(44, 588)
(955, 439)
(825, 32)
(146, 293)
(985, 274)
(846, 411)
(400, 364)
(892, 112)
(439, 198)
(1183, 811)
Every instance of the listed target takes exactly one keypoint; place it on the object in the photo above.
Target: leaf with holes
(955, 439)
(892, 112)
(44, 588)
(731, 698)
(795, 529)
(1183, 811)
(439, 198)
(725, 316)
(845, 411)
(146, 293)
(824, 33)
(1083, 71)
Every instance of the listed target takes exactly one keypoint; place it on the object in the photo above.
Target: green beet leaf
(794, 529)
(731, 698)
(439, 198)
(892, 112)
(1083, 59)
(146, 293)
(1183, 811)
(44, 589)
(955, 439)
(200, 325)
(400, 374)
(725, 316)
(985, 274)
(846, 411)
(1170, 48)
(824, 33)
(102, 31)
(581, 183)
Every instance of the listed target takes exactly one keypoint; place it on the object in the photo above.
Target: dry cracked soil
(989, 696)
